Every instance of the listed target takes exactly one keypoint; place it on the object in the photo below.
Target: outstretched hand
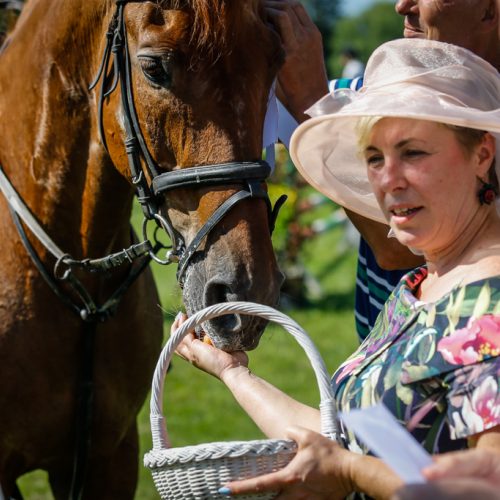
(206, 357)
(475, 463)
(319, 471)
(302, 79)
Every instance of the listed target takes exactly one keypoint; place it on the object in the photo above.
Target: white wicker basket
(197, 472)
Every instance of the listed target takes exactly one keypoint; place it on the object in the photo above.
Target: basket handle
(327, 405)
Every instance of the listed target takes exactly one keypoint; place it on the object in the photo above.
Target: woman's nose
(392, 176)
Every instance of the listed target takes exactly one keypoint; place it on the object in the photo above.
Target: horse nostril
(216, 293)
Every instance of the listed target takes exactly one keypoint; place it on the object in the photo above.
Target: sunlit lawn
(199, 409)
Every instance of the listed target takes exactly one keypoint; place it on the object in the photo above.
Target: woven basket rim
(217, 450)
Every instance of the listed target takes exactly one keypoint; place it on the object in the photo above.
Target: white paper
(286, 125)
(377, 428)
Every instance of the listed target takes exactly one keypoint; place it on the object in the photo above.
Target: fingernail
(224, 491)
(179, 316)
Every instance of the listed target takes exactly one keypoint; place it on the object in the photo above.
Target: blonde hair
(363, 130)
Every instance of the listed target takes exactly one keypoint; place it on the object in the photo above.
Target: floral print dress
(436, 366)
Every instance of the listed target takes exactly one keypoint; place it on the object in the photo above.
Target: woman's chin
(408, 240)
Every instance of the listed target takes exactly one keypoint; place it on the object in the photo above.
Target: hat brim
(325, 148)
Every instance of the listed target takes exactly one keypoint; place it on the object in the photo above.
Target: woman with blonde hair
(415, 148)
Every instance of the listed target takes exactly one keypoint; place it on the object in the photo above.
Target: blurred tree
(364, 33)
(324, 13)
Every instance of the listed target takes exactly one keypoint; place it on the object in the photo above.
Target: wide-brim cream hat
(407, 78)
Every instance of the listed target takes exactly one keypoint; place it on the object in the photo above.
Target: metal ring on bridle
(171, 257)
(62, 274)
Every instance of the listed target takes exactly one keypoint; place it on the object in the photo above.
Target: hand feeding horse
(100, 99)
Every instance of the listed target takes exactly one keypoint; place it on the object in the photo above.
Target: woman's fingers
(184, 349)
(178, 321)
(270, 482)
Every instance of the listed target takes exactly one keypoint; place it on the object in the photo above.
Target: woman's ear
(485, 155)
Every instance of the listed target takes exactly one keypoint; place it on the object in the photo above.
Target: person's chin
(406, 238)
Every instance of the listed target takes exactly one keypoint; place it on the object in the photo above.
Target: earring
(487, 193)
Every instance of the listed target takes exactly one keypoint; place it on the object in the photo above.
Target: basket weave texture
(197, 472)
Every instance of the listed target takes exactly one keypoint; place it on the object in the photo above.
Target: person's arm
(482, 461)
(389, 253)
(449, 489)
(323, 470)
(271, 409)
(461, 475)
(302, 79)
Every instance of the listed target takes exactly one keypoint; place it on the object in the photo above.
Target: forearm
(272, 410)
(297, 100)
(373, 477)
(487, 440)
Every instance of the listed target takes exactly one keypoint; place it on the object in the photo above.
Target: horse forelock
(216, 22)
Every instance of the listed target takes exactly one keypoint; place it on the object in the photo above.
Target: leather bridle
(249, 176)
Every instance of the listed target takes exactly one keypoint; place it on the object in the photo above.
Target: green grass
(199, 409)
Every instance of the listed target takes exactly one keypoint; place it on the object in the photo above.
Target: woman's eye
(374, 160)
(158, 70)
(415, 152)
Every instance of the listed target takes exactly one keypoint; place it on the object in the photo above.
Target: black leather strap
(222, 174)
(211, 223)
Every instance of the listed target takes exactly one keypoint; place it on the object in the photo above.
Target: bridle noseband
(248, 176)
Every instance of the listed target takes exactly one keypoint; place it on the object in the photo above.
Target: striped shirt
(373, 287)
(345, 83)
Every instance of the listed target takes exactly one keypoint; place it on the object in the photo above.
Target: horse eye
(157, 70)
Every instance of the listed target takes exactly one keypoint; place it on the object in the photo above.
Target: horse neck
(48, 139)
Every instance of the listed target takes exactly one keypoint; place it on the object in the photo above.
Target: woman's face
(424, 181)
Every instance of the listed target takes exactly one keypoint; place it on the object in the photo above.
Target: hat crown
(454, 71)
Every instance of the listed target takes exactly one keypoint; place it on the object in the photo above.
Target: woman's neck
(474, 255)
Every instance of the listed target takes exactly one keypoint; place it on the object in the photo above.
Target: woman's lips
(404, 214)
(412, 31)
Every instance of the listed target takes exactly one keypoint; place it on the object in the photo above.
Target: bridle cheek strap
(251, 175)
(151, 196)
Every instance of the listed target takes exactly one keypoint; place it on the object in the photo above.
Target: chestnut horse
(175, 113)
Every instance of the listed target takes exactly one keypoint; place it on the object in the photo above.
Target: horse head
(193, 81)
